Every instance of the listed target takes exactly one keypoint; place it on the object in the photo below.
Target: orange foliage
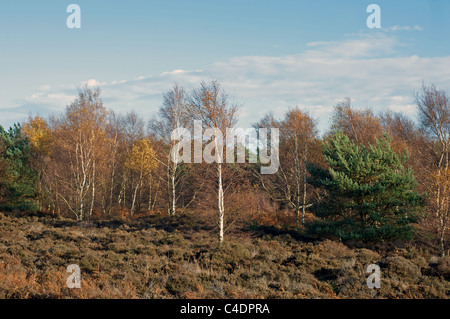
(361, 126)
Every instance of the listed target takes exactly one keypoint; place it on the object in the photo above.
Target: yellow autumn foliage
(39, 134)
(441, 178)
(142, 157)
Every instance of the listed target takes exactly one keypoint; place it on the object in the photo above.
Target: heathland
(161, 257)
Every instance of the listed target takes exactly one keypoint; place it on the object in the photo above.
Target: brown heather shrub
(179, 285)
(443, 267)
(401, 269)
(271, 250)
(159, 257)
(353, 287)
(366, 257)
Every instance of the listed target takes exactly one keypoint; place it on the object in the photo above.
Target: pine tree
(369, 195)
(17, 179)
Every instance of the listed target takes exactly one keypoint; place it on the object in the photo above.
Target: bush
(443, 267)
(352, 287)
(367, 257)
(400, 268)
(178, 285)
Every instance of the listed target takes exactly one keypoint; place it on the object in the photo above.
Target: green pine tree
(369, 194)
(17, 179)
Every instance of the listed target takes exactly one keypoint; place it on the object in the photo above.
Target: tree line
(371, 177)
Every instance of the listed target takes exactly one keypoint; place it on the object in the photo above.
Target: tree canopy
(17, 179)
(369, 194)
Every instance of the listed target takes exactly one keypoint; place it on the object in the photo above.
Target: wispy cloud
(405, 28)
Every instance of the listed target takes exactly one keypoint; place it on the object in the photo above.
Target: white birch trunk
(220, 203)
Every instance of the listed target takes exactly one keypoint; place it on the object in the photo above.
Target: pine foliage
(369, 194)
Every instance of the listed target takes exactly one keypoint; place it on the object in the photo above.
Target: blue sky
(270, 55)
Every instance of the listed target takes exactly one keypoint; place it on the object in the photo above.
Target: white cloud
(367, 45)
(93, 82)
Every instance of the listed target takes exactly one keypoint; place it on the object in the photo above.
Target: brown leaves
(361, 126)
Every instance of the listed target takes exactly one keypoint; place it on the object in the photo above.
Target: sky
(268, 55)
